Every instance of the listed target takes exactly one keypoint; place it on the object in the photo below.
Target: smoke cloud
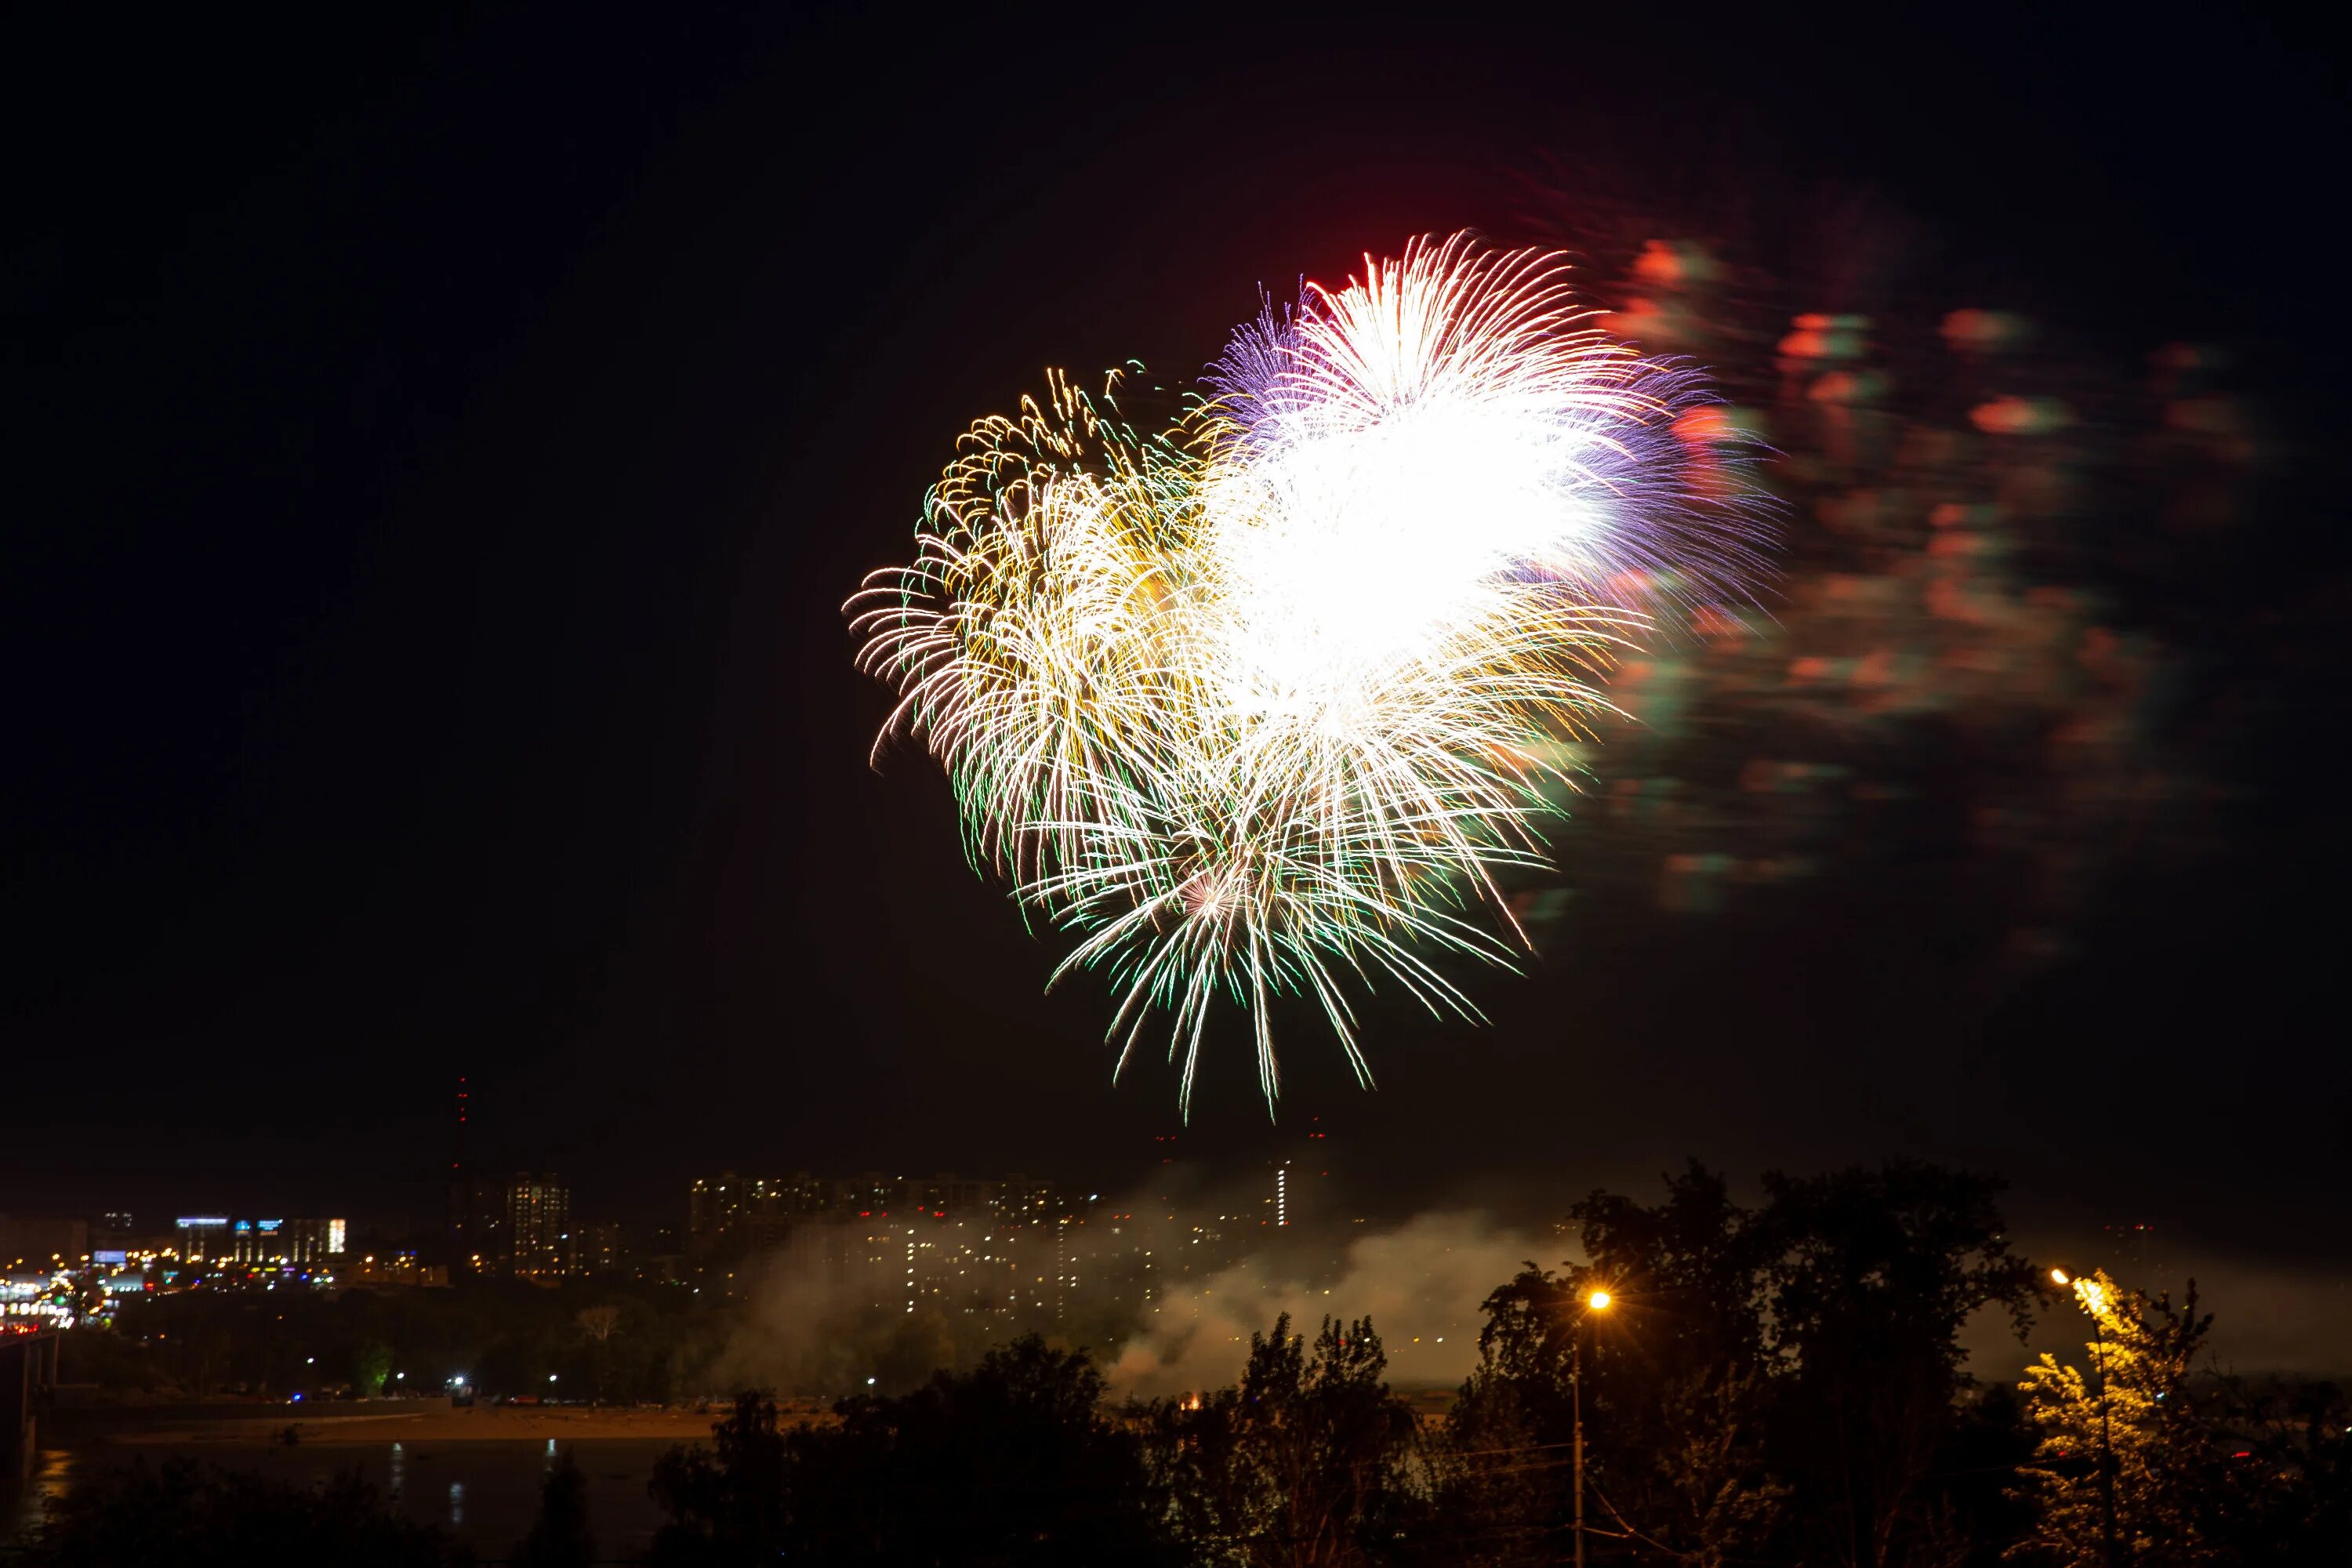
(1421, 1283)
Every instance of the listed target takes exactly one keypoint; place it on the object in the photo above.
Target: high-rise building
(1297, 1185)
(521, 1223)
(600, 1250)
(202, 1238)
(536, 1222)
(714, 1206)
(260, 1242)
(285, 1241)
(730, 1210)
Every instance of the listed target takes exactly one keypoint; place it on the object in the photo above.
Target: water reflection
(22, 1506)
(457, 1504)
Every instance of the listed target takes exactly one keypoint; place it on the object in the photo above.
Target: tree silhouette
(1013, 1463)
(560, 1537)
(1777, 1381)
(1873, 1271)
(1677, 1386)
(1304, 1464)
(725, 1502)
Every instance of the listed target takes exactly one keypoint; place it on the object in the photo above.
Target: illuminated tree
(2122, 1433)
(371, 1365)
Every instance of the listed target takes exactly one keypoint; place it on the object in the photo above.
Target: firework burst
(1260, 705)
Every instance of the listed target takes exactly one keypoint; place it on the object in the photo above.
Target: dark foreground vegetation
(1776, 1384)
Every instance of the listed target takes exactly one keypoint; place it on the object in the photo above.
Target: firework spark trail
(1259, 705)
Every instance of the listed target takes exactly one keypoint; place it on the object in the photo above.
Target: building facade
(537, 1222)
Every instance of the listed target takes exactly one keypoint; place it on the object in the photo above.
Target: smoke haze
(1421, 1283)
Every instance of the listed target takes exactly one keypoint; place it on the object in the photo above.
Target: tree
(596, 1325)
(2288, 1503)
(1501, 1503)
(1304, 1464)
(371, 1365)
(1872, 1274)
(2129, 1437)
(725, 1502)
(1011, 1463)
(1677, 1384)
(1777, 1381)
(558, 1538)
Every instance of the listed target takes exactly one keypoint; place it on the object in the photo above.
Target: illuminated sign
(106, 1255)
(266, 1225)
(244, 1226)
(193, 1223)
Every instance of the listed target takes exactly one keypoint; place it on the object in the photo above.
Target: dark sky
(442, 442)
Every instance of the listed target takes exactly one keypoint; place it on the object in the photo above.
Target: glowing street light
(2091, 1298)
(1598, 1302)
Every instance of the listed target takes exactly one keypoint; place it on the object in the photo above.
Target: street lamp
(2093, 1301)
(1598, 1302)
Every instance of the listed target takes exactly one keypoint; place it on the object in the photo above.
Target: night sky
(450, 438)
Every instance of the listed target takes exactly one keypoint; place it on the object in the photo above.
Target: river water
(483, 1491)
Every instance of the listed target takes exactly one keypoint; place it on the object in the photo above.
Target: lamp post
(2088, 1295)
(1596, 1302)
